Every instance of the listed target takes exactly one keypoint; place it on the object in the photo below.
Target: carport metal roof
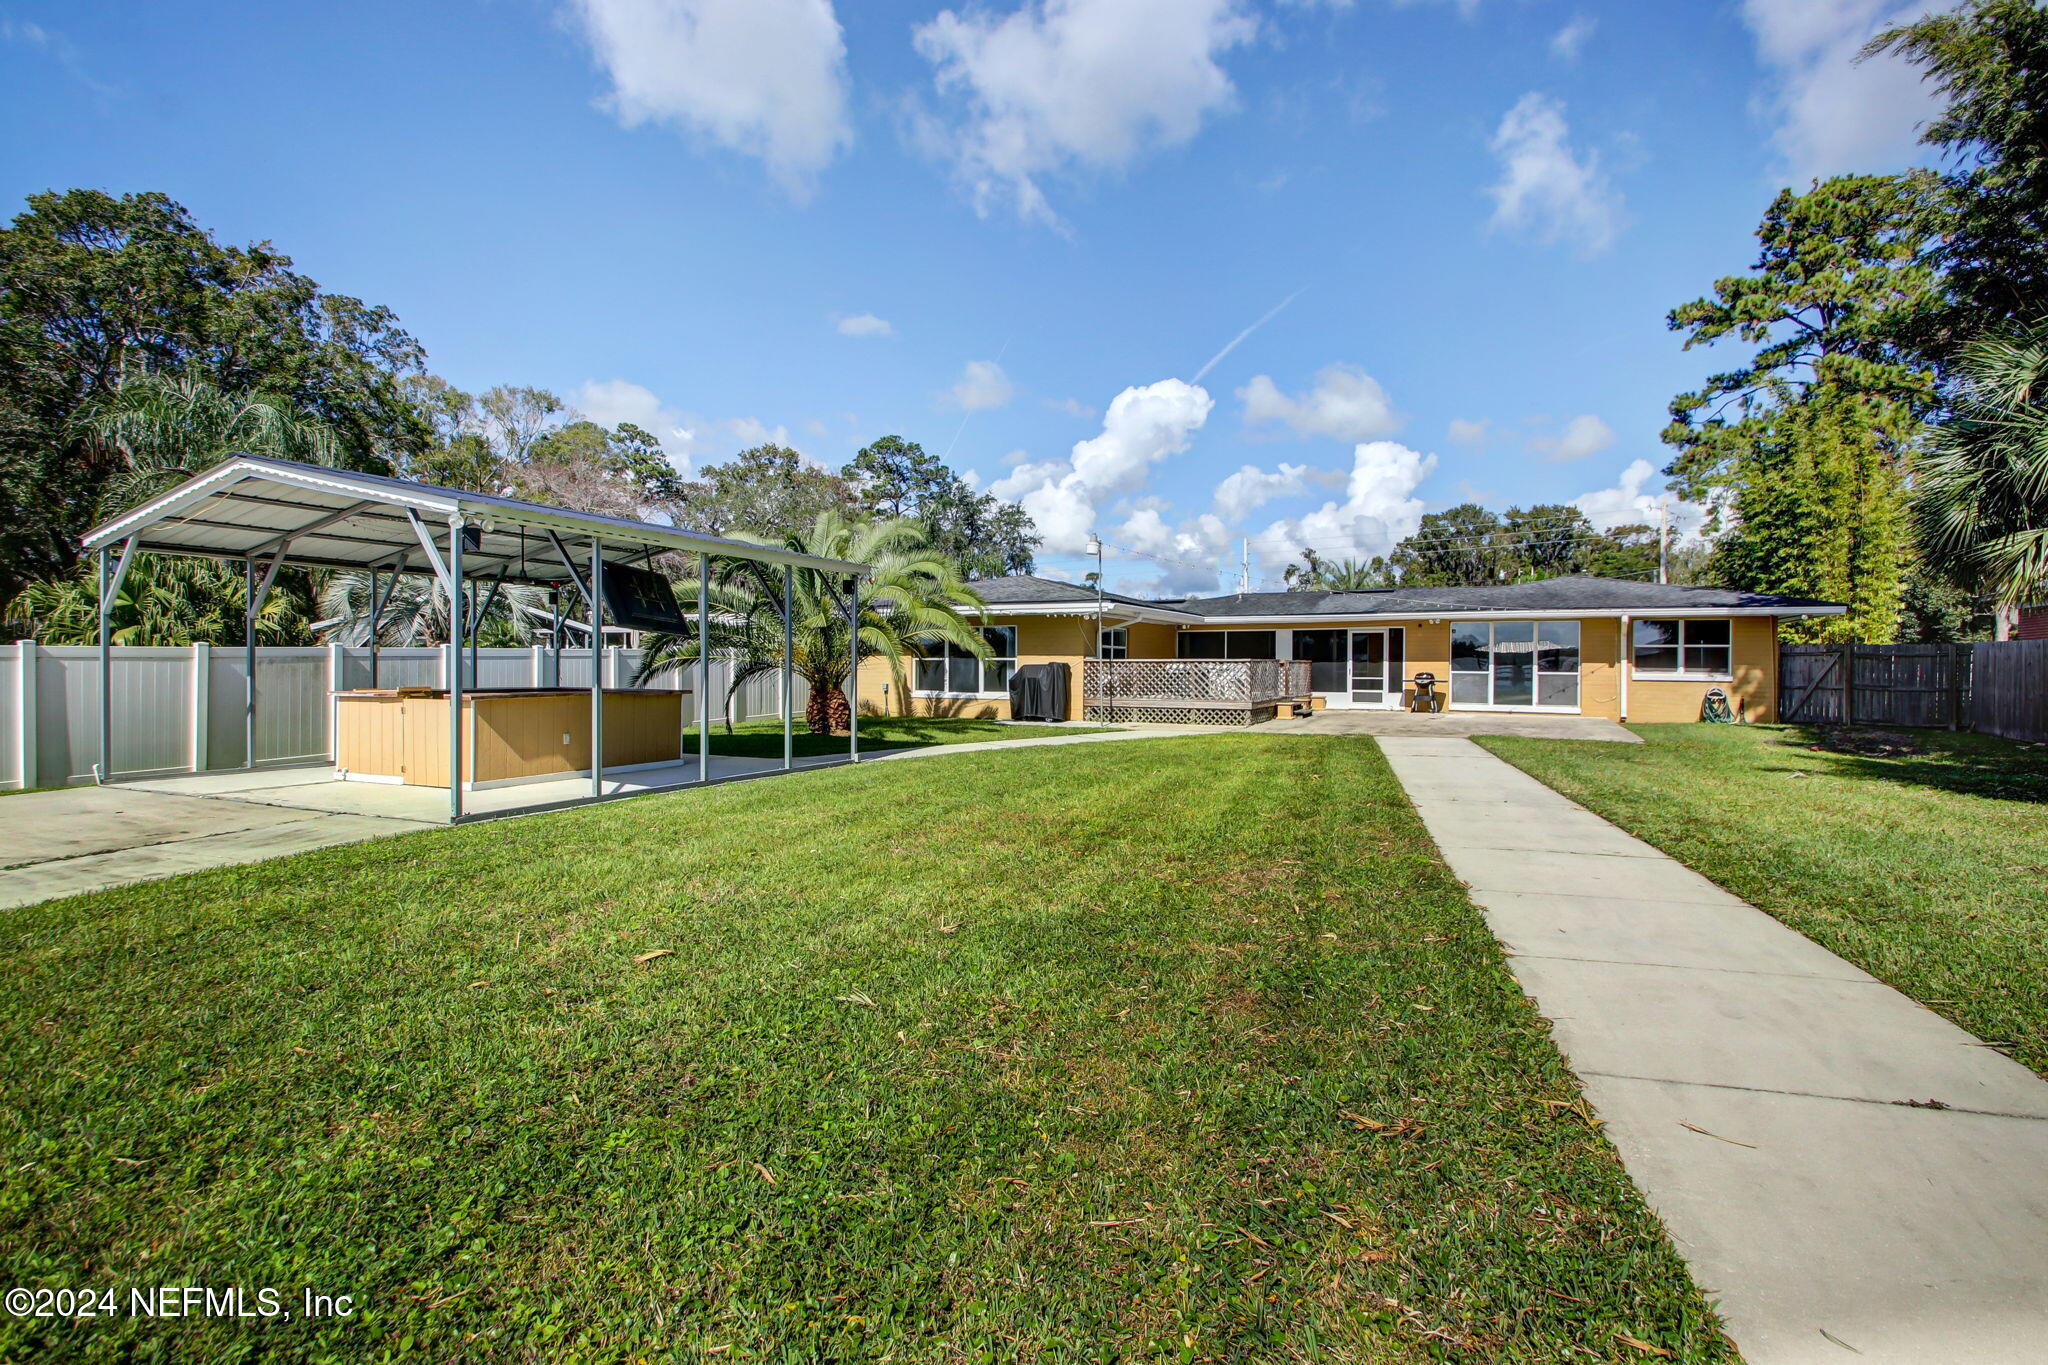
(281, 511)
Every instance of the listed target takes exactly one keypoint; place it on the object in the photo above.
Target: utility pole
(1663, 540)
(1095, 548)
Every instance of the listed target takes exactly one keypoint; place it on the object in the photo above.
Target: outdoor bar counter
(400, 735)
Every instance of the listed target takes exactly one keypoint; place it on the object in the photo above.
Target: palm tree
(416, 612)
(159, 431)
(162, 601)
(1980, 486)
(916, 598)
(166, 429)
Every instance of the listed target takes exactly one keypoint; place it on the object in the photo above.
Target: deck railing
(1224, 684)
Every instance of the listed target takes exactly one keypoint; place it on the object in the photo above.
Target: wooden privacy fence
(2009, 688)
(1996, 688)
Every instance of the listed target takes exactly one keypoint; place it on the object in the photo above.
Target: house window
(1532, 664)
(947, 670)
(1684, 649)
(1228, 644)
(1113, 642)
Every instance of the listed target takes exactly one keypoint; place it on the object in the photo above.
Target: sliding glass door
(1515, 665)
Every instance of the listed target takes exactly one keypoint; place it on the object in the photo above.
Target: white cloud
(1469, 431)
(609, 402)
(752, 431)
(1547, 188)
(982, 386)
(1346, 403)
(1144, 425)
(1569, 41)
(864, 325)
(1183, 558)
(1379, 508)
(1251, 488)
(1833, 113)
(1582, 436)
(1063, 86)
(1630, 502)
(765, 78)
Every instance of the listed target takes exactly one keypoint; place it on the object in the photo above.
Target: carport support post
(788, 668)
(455, 625)
(374, 604)
(104, 771)
(596, 667)
(853, 667)
(703, 668)
(249, 662)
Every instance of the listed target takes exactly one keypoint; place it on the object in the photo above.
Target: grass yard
(763, 738)
(1188, 1050)
(1920, 856)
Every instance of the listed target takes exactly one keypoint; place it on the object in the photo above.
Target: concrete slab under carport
(1849, 1175)
(75, 839)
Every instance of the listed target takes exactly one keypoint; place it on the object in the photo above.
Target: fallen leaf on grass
(1645, 1347)
(1716, 1136)
(856, 998)
(644, 958)
(766, 1174)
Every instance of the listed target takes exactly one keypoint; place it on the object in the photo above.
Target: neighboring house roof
(1029, 590)
(1576, 593)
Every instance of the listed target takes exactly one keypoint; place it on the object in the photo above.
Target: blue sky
(1017, 232)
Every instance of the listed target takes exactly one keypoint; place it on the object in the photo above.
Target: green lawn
(1188, 1050)
(763, 738)
(1920, 856)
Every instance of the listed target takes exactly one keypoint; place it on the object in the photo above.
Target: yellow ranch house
(1610, 648)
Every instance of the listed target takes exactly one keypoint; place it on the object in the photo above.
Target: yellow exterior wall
(1040, 640)
(1753, 689)
(1071, 640)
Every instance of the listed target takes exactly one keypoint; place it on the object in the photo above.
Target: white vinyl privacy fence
(180, 709)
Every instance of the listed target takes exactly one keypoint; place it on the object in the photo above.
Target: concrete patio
(1448, 724)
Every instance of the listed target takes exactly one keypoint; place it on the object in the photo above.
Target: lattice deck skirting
(1182, 714)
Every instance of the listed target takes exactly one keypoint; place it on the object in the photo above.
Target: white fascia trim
(1339, 621)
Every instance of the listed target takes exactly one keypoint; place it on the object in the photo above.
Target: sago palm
(915, 599)
(1980, 487)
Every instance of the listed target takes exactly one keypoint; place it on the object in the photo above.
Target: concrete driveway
(58, 843)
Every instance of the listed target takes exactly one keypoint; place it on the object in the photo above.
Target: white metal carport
(266, 513)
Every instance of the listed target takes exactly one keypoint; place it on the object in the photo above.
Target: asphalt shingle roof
(1577, 592)
(1019, 590)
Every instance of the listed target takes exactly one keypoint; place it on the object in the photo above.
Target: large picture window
(1684, 649)
(947, 670)
(1515, 664)
(1227, 644)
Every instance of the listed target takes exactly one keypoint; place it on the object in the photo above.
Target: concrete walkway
(1851, 1177)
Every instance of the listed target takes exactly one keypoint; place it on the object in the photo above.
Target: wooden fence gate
(2009, 689)
(1911, 685)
